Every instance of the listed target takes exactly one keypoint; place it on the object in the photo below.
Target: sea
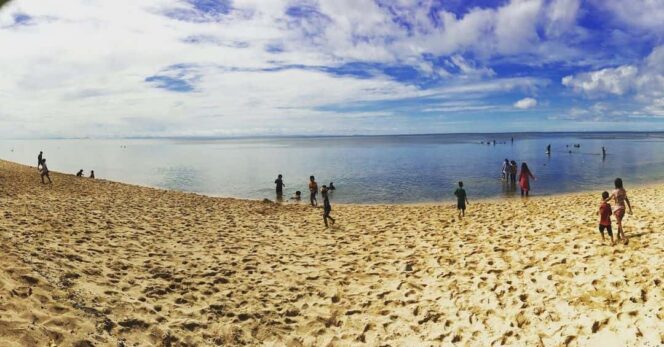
(364, 169)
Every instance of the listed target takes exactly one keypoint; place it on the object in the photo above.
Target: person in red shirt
(605, 217)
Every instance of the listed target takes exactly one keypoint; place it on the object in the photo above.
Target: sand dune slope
(93, 263)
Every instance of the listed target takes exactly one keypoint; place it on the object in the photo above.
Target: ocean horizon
(402, 168)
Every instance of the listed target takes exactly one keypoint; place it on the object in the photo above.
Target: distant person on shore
(524, 179)
(79, 173)
(39, 159)
(297, 196)
(619, 195)
(506, 168)
(313, 191)
(92, 174)
(603, 151)
(279, 182)
(327, 208)
(331, 187)
(548, 149)
(44, 172)
(513, 170)
(462, 200)
(605, 217)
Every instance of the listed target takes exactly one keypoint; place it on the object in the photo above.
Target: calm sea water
(369, 169)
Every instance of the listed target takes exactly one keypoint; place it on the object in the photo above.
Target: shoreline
(304, 201)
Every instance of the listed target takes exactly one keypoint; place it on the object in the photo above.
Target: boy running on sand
(44, 172)
(605, 217)
(462, 200)
(327, 208)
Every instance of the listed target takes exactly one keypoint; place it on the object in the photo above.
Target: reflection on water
(364, 169)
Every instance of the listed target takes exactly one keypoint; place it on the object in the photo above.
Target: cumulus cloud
(643, 82)
(619, 80)
(188, 67)
(525, 103)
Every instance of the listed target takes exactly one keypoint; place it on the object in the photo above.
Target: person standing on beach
(92, 174)
(279, 182)
(327, 208)
(44, 172)
(605, 217)
(39, 159)
(524, 179)
(603, 152)
(620, 197)
(313, 191)
(462, 200)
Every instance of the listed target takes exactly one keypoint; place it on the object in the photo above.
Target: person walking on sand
(79, 173)
(605, 217)
(313, 191)
(39, 159)
(44, 172)
(327, 208)
(462, 200)
(279, 182)
(524, 179)
(619, 195)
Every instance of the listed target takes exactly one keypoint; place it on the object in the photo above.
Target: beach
(98, 263)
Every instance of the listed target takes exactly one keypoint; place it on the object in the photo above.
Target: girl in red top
(605, 217)
(524, 179)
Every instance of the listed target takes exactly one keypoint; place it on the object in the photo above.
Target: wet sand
(89, 262)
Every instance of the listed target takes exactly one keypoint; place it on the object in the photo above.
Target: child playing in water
(605, 217)
(462, 200)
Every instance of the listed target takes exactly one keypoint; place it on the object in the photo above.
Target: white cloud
(80, 67)
(619, 80)
(644, 82)
(645, 15)
(525, 103)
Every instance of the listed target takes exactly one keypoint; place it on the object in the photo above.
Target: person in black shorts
(313, 191)
(279, 182)
(327, 208)
(462, 199)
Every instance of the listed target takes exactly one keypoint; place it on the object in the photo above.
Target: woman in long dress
(524, 179)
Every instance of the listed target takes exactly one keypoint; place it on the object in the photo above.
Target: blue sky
(261, 67)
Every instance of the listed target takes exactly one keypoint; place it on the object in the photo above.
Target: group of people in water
(509, 173)
(43, 169)
(313, 194)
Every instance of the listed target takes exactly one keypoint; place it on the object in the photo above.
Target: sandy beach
(96, 263)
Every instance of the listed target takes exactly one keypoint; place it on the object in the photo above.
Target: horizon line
(231, 137)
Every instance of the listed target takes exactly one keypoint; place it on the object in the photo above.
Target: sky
(127, 68)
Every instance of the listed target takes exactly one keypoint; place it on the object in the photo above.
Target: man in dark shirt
(327, 208)
(280, 186)
(462, 200)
